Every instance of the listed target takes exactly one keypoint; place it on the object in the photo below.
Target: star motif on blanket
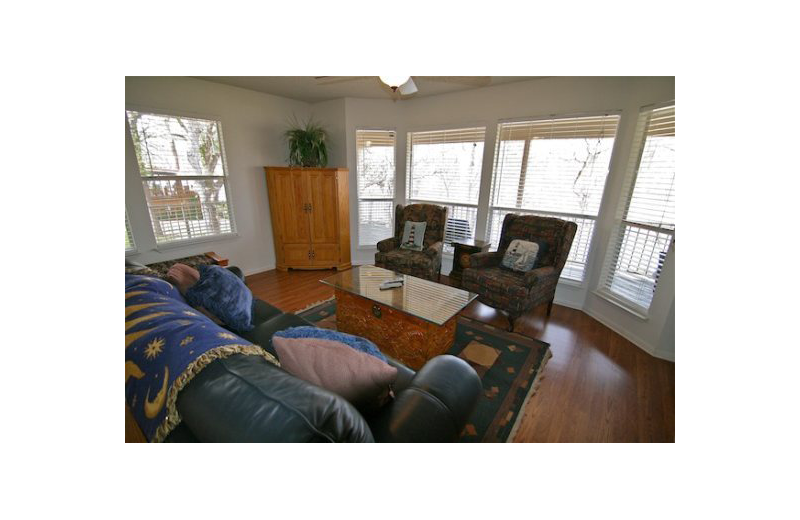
(154, 348)
(226, 335)
(185, 341)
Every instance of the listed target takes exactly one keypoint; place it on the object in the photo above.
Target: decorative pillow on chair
(521, 255)
(224, 295)
(413, 235)
(338, 362)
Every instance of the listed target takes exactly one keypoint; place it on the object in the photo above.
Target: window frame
(172, 244)
(129, 230)
(360, 246)
(567, 215)
(408, 157)
(621, 223)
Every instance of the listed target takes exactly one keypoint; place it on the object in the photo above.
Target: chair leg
(549, 307)
(512, 317)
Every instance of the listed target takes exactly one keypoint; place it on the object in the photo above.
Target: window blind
(645, 225)
(130, 245)
(444, 168)
(553, 167)
(375, 174)
(181, 162)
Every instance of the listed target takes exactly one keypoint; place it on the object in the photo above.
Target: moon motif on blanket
(151, 408)
(132, 370)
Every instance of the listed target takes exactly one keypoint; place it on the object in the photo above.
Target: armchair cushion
(497, 283)
(487, 259)
(399, 259)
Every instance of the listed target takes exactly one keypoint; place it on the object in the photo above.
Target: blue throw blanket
(167, 343)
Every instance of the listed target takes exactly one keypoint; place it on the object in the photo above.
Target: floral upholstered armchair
(423, 264)
(517, 292)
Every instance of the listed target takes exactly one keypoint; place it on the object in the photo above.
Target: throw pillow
(363, 380)
(224, 295)
(355, 342)
(413, 235)
(183, 277)
(521, 255)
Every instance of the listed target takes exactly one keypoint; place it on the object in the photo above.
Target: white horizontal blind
(444, 167)
(375, 174)
(646, 222)
(130, 245)
(553, 167)
(181, 161)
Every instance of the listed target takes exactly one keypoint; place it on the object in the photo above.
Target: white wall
(252, 127)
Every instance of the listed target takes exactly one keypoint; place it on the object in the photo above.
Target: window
(181, 161)
(130, 245)
(646, 222)
(444, 167)
(375, 172)
(556, 168)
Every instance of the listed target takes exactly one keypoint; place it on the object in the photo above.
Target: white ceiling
(306, 88)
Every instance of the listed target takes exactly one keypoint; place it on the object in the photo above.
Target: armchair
(423, 264)
(512, 291)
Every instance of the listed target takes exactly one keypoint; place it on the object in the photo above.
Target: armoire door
(323, 198)
(293, 214)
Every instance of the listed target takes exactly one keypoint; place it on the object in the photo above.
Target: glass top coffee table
(412, 323)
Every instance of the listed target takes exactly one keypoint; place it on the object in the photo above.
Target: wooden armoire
(310, 217)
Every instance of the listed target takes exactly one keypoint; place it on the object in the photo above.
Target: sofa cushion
(355, 342)
(224, 295)
(364, 380)
(183, 277)
(247, 399)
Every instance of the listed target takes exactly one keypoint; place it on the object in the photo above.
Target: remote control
(391, 284)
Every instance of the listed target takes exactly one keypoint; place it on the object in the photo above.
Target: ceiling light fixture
(395, 82)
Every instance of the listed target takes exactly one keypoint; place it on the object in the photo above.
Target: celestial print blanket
(167, 343)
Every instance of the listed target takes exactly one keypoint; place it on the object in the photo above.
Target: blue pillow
(355, 342)
(224, 295)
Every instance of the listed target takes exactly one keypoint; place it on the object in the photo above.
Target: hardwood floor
(597, 387)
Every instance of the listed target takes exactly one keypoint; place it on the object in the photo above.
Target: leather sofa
(246, 399)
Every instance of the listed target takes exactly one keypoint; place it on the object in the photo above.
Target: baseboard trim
(249, 272)
(633, 338)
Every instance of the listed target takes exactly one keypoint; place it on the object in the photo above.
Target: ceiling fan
(404, 85)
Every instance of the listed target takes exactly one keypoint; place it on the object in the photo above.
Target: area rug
(509, 365)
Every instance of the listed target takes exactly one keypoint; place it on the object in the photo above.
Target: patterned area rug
(509, 365)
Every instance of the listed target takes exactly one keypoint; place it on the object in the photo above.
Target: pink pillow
(182, 276)
(364, 380)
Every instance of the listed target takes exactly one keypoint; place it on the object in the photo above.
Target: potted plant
(307, 146)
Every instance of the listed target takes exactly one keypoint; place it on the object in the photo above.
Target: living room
(524, 388)
(590, 132)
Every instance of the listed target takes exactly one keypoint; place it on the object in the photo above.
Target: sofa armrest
(433, 250)
(434, 407)
(540, 276)
(487, 259)
(387, 244)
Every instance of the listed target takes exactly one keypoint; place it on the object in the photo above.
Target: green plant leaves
(307, 146)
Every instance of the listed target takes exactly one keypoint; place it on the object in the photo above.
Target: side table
(463, 249)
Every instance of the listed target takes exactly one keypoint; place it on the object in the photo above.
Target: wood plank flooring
(597, 387)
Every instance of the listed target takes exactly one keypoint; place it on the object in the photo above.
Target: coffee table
(412, 323)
